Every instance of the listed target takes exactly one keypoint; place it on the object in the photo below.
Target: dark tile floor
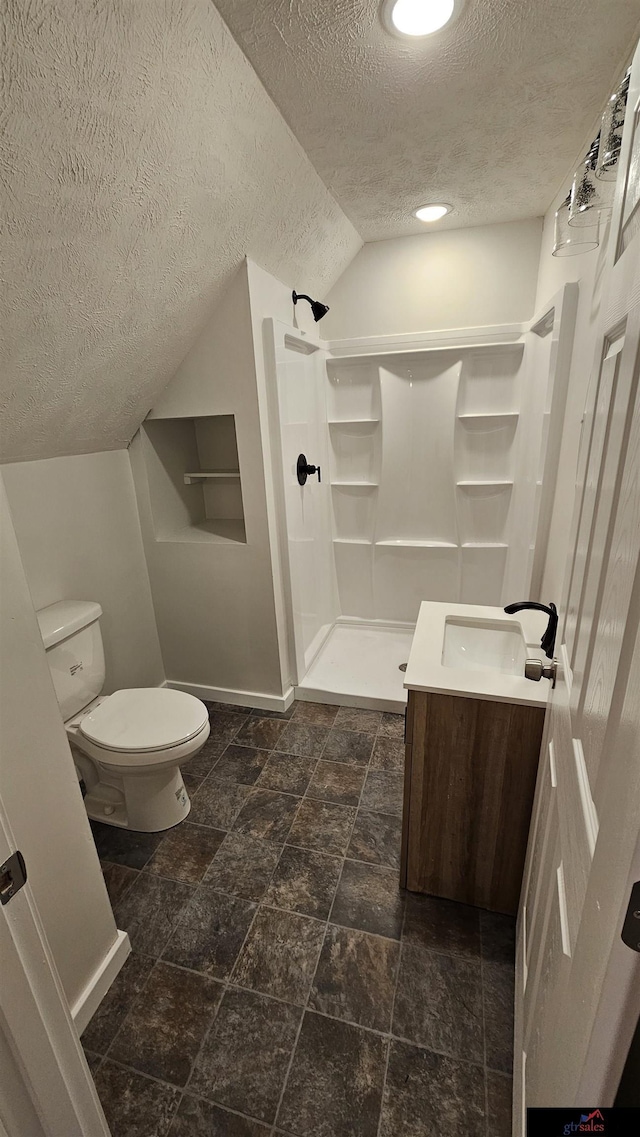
(280, 982)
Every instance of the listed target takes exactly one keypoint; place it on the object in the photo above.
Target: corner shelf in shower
(368, 485)
(353, 421)
(485, 482)
(351, 541)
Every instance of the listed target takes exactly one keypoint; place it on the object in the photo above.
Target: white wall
(40, 791)
(145, 159)
(215, 602)
(455, 278)
(588, 270)
(78, 531)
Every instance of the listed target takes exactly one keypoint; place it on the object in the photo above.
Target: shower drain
(403, 667)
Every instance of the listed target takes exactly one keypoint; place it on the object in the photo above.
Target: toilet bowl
(127, 747)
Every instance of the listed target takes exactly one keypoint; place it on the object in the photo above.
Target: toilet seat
(143, 721)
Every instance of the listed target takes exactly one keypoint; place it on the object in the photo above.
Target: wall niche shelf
(200, 475)
(194, 479)
(362, 485)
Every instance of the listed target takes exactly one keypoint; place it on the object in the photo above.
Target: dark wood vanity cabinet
(470, 774)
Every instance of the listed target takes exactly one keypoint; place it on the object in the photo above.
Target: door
(577, 985)
(307, 550)
(46, 1089)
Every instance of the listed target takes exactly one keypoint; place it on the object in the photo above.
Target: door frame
(36, 1021)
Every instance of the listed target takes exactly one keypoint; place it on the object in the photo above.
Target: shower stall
(436, 456)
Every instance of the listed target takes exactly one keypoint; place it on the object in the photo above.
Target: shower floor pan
(359, 666)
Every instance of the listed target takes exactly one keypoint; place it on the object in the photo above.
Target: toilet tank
(71, 635)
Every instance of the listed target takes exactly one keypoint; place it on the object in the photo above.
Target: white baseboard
(89, 1000)
(240, 698)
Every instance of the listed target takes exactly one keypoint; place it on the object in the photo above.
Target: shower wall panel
(424, 452)
(416, 499)
(301, 418)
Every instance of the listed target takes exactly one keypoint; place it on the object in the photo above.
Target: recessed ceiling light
(432, 212)
(419, 17)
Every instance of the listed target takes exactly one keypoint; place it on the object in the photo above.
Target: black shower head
(319, 310)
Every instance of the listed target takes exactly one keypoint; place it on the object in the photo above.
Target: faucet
(548, 641)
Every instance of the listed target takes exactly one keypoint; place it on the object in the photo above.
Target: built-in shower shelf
(199, 475)
(353, 421)
(393, 544)
(483, 482)
(474, 415)
(367, 485)
(484, 545)
(351, 541)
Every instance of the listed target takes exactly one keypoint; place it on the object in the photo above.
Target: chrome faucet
(548, 641)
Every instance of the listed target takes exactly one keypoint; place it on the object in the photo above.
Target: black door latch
(13, 874)
(631, 926)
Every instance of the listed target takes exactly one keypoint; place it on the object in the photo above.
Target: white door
(308, 550)
(46, 1089)
(578, 986)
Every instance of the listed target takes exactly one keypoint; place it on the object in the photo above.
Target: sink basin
(481, 645)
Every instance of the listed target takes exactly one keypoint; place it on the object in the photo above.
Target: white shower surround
(143, 159)
(442, 448)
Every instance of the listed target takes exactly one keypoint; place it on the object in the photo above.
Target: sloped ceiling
(485, 115)
(142, 160)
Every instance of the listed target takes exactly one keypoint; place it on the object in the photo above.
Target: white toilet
(127, 747)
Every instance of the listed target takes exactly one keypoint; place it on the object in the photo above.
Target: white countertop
(426, 671)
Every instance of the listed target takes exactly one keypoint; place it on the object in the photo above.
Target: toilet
(127, 747)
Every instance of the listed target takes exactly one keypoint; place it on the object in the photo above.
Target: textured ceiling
(141, 160)
(485, 115)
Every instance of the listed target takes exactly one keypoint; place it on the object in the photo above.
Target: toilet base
(146, 803)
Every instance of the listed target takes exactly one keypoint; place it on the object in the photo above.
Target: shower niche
(195, 484)
(424, 455)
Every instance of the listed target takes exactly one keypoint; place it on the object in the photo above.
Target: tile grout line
(393, 1008)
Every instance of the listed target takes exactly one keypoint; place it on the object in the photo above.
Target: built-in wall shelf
(489, 415)
(219, 531)
(367, 485)
(401, 544)
(200, 475)
(351, 541)
(353, 421)
(484, 545)
(422, 349)
(483, 482)
(193, 472)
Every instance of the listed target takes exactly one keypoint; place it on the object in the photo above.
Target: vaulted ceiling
(484, 115)
(141, 160)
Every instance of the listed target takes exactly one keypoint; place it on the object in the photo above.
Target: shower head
(319, 310)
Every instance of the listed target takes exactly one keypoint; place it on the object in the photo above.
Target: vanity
(473, 733)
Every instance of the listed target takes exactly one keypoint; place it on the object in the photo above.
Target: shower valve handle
(304, 470)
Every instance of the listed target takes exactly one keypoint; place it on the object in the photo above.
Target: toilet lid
(144, 718)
